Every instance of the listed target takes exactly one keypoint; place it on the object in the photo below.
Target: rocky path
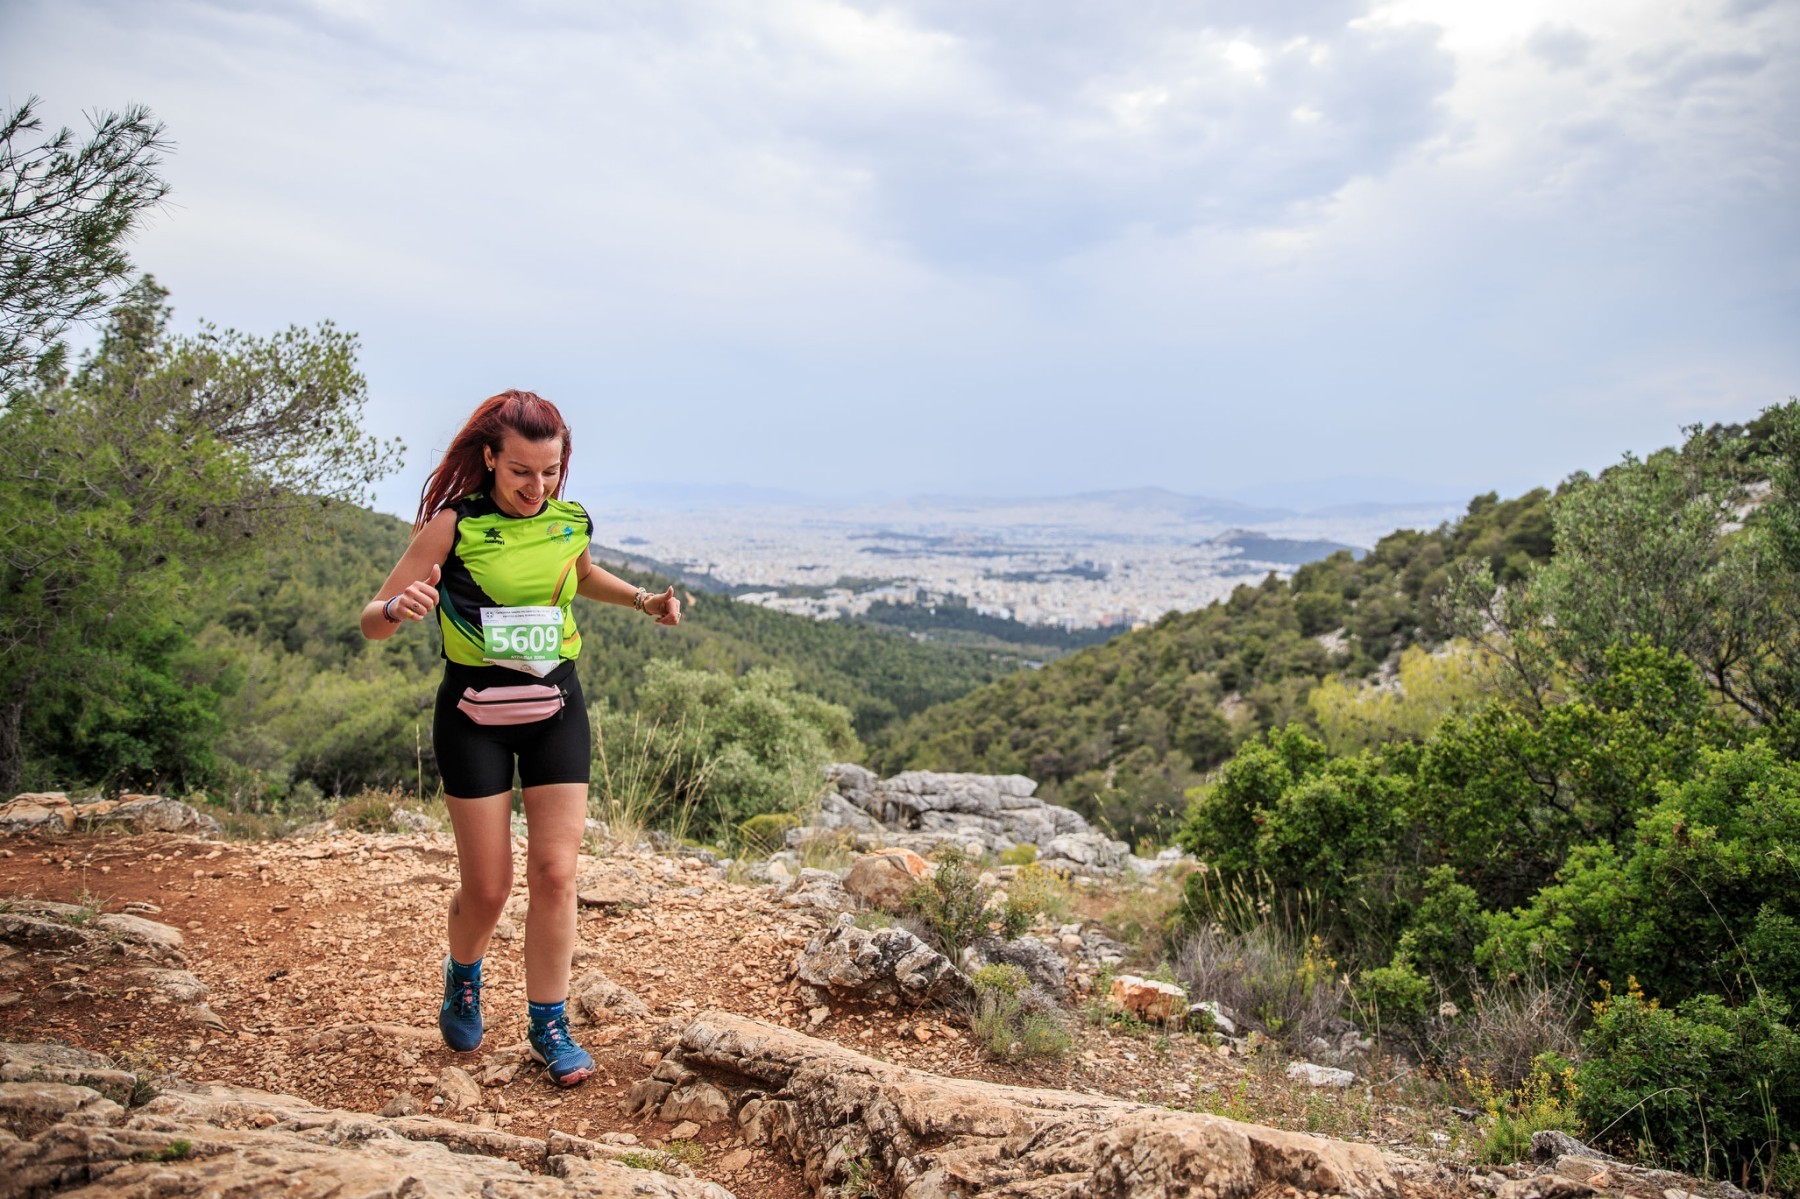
(319, 962)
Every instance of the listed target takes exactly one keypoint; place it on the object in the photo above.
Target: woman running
(498, 554)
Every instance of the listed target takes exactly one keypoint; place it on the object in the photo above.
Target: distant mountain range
(1263, 505)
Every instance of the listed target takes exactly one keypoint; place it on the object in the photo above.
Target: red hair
(463, 470)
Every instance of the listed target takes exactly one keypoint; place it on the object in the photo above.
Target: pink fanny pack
(511, 705)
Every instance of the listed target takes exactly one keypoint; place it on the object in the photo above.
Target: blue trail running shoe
(551, 1044)
(460, 1017)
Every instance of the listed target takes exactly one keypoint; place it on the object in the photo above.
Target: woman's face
(525, 472)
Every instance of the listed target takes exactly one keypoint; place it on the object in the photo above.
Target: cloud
(987, 245)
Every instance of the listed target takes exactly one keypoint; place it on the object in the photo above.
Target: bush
(709, 751)
(1288, 985)
(952, 904)
(372, 813)
(1702, 898)
(1035, 891)
(767, 832)
(1544, 1100)
(1707, 1088)
(1012, 1020)
(1022, 854)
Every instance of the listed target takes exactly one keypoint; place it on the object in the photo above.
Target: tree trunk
(12, 750)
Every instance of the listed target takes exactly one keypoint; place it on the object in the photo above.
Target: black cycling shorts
(477, 760)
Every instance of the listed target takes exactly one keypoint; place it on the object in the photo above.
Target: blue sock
(465, 974)
(542, 1013)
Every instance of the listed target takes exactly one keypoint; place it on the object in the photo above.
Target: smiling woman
(499, 555)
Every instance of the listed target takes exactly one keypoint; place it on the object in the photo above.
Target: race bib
(528, 639)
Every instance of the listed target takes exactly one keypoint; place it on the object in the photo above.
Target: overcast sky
(1025, 247)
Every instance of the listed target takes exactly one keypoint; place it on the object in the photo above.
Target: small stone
(650, 1059)
(734, 1161)
(404, 1103)
(687, 1130)
(818, 1016)
(457, 1089)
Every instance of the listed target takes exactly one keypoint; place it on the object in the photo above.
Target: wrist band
(640, 599)
(387, 610)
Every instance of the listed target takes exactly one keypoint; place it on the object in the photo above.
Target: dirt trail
(296, 937)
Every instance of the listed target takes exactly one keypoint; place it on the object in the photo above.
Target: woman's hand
(418, 598)
(665, 607)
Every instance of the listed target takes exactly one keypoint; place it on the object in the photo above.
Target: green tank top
(501, 561)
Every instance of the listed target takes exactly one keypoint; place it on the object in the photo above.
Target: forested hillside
(1122, 730)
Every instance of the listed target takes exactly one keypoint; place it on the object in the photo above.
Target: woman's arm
(608, 588)
(410, 592)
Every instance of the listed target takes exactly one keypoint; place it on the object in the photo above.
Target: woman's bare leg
(556, 816)
(484, 861)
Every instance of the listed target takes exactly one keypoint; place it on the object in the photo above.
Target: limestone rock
(600, 998)
(157, 940)
(930, 1136)
(1147, 999)
(884, 879)
(150, 814)
(852, 961)
(202, 1141)
(1041, 964)
(403, 1104)
(178, 985)
(613, 887)
(1319, 1076)
(921, 810)
(458, 1090)
(37, 812)
(819, 889)
(33, 1062)
(700, 1102)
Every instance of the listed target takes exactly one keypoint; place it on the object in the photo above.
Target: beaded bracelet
(640, 599)
(387, 610)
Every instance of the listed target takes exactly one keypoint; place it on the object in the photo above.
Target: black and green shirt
(501, 561)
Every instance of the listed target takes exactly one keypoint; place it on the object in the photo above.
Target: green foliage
(1009, 1022)
(1546, 1100)
(1705, 896)
(1122, 731)
(1708, 1088)
(1034, 891)
(1428, 687)
(132, 490)
(1019, 855)
(728, 749)
(174, 1151)
(953, 903)
(766, 832)
(66, 211)
(1395, 994)
(369, 814)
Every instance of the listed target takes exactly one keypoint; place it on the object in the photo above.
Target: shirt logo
(565, 532)
(494, 538)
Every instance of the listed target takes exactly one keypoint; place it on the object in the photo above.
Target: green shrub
(1396, 995)
(1546, 1100)
(1035, 891)
(1011, 1022)
(766, 832)
(1019, 855)
(719, 749)
(953, 903)
(373, 813)
(1701, 898)
(1707, 1088)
